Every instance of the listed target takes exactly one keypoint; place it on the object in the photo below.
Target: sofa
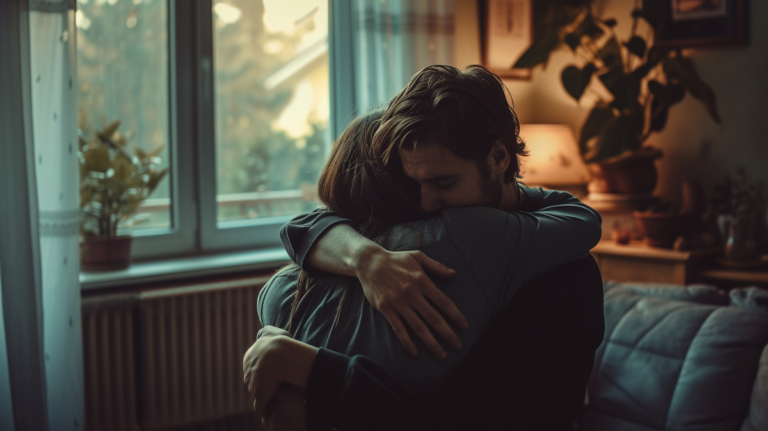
(681, 358)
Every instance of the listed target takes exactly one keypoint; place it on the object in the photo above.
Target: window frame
(181, 237)
(192, 143)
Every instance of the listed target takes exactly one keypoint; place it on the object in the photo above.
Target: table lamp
(554, 161)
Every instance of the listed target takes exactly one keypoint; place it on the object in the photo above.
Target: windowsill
(186, 267)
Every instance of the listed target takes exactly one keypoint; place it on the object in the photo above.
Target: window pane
(272, 105)
(122, 67)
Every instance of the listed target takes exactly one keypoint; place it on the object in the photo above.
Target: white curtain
(394, 39)
(6, 411)
(54, 129)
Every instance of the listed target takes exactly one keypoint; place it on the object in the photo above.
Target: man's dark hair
(465, 110)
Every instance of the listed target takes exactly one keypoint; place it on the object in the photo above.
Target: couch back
(668, 364)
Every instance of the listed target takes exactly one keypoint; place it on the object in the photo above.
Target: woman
(493, 253)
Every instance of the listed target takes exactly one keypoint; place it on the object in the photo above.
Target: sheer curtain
(6, 412)
(54, 129)
(392, 40)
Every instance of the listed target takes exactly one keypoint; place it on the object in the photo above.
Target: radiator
(168, 358)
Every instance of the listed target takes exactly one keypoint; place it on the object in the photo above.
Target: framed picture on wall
(703, 23)
(506, 32)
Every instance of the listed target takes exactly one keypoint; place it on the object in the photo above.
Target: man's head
(452, 134)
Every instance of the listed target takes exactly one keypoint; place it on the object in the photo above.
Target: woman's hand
(272, 360)
(396, 284)
(285, 412)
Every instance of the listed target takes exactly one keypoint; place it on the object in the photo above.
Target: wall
(694, 146)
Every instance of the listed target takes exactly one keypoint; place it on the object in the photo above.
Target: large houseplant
(113, 183)
(644, 80)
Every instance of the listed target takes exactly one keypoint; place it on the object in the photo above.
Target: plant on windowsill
(644, 80)
(113, 183)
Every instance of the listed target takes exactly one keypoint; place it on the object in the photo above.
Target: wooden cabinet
(639, 262)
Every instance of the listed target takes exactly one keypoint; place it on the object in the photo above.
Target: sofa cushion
(674, 365)
(750, 298)
(757, 420)
(699, 293)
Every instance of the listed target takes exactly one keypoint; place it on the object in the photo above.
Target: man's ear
(499, 158)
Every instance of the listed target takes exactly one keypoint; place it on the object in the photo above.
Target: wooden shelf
(641, 249)
(637, 261)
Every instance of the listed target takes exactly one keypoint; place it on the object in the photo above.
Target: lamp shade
(554, 158)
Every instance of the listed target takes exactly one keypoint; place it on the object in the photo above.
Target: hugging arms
(360, 362)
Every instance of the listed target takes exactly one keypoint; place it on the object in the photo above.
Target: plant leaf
(659, 120)
(610, 53)
(537, 54)
(154, 152)
(651, 12)
(96, 158)
(123, 169)
(620, 135)
(624, 87)
(548, 27)
(598, 119)
(636, 45)
(573, 40)
(575, 80)
(682, 69)
(106, 134)
(588, 27)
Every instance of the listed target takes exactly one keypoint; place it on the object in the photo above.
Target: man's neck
(510, 196)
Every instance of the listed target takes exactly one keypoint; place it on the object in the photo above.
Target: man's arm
(395, 283)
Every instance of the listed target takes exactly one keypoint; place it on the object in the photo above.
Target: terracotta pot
(105, 254)
(631, 173)
(661, 230)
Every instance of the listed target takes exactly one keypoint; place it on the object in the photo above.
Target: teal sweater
(493, 252)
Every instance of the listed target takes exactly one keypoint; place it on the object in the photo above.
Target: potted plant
(643, 80)
(738, 200)
(113, 183)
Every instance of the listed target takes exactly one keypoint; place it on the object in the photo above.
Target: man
(451, 137)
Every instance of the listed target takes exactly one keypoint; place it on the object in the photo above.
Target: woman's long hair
(354, 185)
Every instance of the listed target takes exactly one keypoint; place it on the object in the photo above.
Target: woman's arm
(342, 392)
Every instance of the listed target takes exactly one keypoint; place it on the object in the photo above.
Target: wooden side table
(637, 261)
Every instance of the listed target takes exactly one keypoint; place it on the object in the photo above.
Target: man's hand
(396, 284)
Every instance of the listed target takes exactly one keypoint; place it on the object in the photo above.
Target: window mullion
(206, 148)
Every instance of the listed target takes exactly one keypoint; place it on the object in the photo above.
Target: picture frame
(699, 23)
(506, 32)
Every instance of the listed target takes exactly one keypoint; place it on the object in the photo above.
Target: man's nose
(430, 201)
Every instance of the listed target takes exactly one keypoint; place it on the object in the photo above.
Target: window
(272, 106)
(240, 93)
(122, 66)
